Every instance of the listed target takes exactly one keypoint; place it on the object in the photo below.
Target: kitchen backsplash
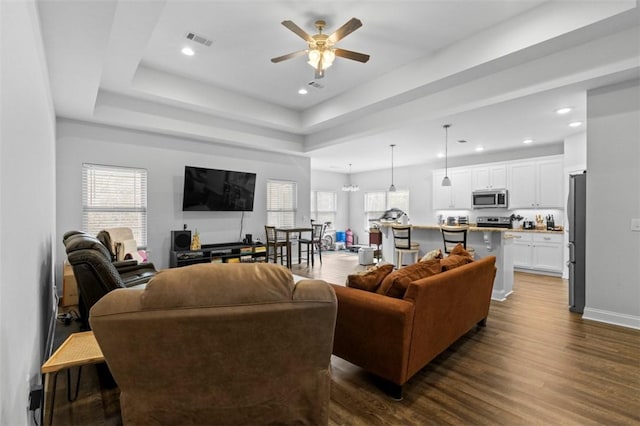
(526, 214)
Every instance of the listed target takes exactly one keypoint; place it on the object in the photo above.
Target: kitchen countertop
(473, 228)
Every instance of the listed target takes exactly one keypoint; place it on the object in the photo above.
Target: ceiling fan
(321, 49)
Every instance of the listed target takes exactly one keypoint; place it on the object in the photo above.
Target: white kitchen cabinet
(458, 195)
(522, 252)
(548, 252)
(489, 177)
(550, 184)
(538, 251)
(536, 184)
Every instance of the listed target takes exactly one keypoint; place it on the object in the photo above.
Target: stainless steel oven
(495, 198)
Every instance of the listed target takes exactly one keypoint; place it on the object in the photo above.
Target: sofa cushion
(370, 279)
(221, 284)
(396, 283)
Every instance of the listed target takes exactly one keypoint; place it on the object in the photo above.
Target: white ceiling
(495, 69)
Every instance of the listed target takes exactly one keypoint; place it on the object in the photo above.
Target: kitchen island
(485, 241)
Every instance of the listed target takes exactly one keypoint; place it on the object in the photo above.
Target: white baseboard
(500, 296)
(615, 318)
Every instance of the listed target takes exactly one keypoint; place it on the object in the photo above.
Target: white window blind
(376, 203)
(114, 197)
(324, 205)
(282, 202)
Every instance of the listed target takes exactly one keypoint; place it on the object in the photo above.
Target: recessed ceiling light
(564, 110)
(188, 51)
(479, 149)
(302, 91)
(575, 124)
(440, 155)
(527, 141)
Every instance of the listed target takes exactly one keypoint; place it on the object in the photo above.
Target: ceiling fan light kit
(320, 50)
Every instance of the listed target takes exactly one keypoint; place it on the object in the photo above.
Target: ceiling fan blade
(296, 29)
(352, 25)
(348, 54)
(288, 56)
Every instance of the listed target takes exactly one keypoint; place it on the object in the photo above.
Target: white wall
(164, 157)
(330, 181)
(27, 213)
(613, 199)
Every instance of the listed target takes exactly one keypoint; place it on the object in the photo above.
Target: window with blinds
(282, 202)
(324, 206)
(376, 203)
(114, 197)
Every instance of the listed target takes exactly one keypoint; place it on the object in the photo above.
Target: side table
(79, 349)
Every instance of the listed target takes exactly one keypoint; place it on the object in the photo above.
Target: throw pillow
(459, 250)
(401, 283)
(433, 254)
(395, 284)
(370, 279)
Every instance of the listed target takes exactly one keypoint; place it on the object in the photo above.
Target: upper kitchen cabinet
(536, 184)
(458, 195)
(489, 177)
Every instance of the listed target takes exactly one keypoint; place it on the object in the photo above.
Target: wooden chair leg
(320, 252)
(300, 253)
(310, 248)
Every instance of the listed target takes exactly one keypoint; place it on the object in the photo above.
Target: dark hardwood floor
(534, 363)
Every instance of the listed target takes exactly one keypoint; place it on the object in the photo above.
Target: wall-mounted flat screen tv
(217, 190)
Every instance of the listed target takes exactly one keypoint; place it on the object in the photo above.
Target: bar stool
(403, 244)
(275, 245)
(452, 236)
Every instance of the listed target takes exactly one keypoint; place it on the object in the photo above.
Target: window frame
(315, 213)
(277, 215)
(95, 200)
(372, 215)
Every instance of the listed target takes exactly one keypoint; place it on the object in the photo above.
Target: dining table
(287, 231)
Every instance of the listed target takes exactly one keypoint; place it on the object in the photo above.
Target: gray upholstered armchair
(220, 344)
(96, 274)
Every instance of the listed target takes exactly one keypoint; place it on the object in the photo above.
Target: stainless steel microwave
(495, 198)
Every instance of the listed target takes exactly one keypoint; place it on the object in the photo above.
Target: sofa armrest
(373, 331)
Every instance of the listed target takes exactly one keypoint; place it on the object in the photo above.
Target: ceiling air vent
(199, 39)
(315, 84)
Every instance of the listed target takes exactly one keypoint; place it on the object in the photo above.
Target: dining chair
(276, 246)
(312, 243)
(403, 244)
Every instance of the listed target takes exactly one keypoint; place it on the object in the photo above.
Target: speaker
(180, 240)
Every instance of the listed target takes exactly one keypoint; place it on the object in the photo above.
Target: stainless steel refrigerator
(576, 213)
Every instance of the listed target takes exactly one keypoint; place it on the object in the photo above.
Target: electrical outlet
(35, 398)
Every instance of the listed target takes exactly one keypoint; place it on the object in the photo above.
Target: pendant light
(446, 181)
(351, 187)
(392, 188)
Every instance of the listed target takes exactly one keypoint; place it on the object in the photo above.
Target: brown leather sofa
(395, 338)
(220, 344)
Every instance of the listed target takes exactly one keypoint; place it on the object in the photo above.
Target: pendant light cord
(446, 149)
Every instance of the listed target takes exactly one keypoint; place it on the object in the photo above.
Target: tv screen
(217, 190)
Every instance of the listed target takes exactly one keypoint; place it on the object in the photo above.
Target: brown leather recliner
(220, 344)
(96, 274)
